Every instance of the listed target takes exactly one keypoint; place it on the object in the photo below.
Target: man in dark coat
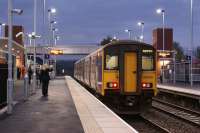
(30, 73)
(44, 76)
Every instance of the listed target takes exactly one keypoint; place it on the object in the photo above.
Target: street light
(33, 37)
(56, 39)
(34, 43)
(53, 22)
(141, 24)
(162, 12)
(51, 11)
(17, 11)
(129, 33)
(55, 43)
(26, 63)
(10, 84)
(53, 34)
(191, 41)
(2, 24)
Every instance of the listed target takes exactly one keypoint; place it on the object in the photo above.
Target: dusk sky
(88, 21)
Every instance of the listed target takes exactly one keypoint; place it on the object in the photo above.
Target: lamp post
(53, 30)
(26, 65)
(141, 24)
(50, 12)
(191, 41)
(34, 37)
(55, 43)
(53, 35)
(2, 25)
(162, 12)
(44, 29)
(10, 84)
(129, 33)
(56, 39)
(34, 44)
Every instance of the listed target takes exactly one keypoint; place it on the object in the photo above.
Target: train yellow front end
(123, 73)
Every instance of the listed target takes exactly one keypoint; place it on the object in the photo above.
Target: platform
(94, 115)
(53, 114)
(183, 91)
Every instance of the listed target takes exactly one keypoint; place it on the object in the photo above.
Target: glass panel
(111, 62)
(147, 62)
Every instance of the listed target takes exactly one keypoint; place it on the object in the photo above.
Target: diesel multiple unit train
(122, 72)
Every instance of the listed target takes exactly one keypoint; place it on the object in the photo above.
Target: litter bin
(3, 84)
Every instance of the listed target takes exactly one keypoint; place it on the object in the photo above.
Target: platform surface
(94, 115)
(182, 90)
(55, 114)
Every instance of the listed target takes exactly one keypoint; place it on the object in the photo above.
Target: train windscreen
(147, 60)
(111, 62)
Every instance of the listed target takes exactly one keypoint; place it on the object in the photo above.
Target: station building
(164, 54)
(17, 52)
(167, 65)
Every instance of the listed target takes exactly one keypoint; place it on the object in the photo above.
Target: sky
(89, 21)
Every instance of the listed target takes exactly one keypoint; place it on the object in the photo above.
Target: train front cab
(129, 76)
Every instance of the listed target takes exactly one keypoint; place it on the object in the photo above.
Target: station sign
(164, 54)
(56, 52)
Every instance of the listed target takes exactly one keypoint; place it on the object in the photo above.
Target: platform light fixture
(2, 25)
(129, 33)
(17, 11)
(161, 11)
(53, 22)
(10, 81)
(141, 24)
(52, 10)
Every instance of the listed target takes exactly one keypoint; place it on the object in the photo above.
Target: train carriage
(123, 72)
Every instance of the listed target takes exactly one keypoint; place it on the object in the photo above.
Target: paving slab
(53, 114)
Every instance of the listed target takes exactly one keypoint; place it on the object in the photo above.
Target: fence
(182, 72)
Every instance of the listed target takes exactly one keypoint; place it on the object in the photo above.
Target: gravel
(172, 124)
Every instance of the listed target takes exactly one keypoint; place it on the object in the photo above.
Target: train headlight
(112, 85)
(147, 85)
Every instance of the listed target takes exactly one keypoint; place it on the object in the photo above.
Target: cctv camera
(17, 11)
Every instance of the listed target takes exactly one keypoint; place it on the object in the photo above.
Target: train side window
(111, 62)
(147, 63)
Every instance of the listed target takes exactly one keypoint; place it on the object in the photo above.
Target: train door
(130, 72)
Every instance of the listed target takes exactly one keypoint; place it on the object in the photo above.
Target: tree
(198, 52)
(179, 51)
(106, 40)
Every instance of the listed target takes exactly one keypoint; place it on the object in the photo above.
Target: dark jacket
(44, 75)
(30, 72)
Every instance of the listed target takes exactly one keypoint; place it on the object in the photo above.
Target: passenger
(161, 79)
(18, 73)
(45, 79)
(38, 77)
(30, 73)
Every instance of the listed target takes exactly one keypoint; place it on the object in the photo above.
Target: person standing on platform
(30, 73)
(45, 79)
(38, 77)
(161, 79)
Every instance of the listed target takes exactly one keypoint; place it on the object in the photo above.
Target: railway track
(182, 113)
(155, 125)
(144, 124)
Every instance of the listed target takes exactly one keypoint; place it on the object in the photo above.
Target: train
(123, 72)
